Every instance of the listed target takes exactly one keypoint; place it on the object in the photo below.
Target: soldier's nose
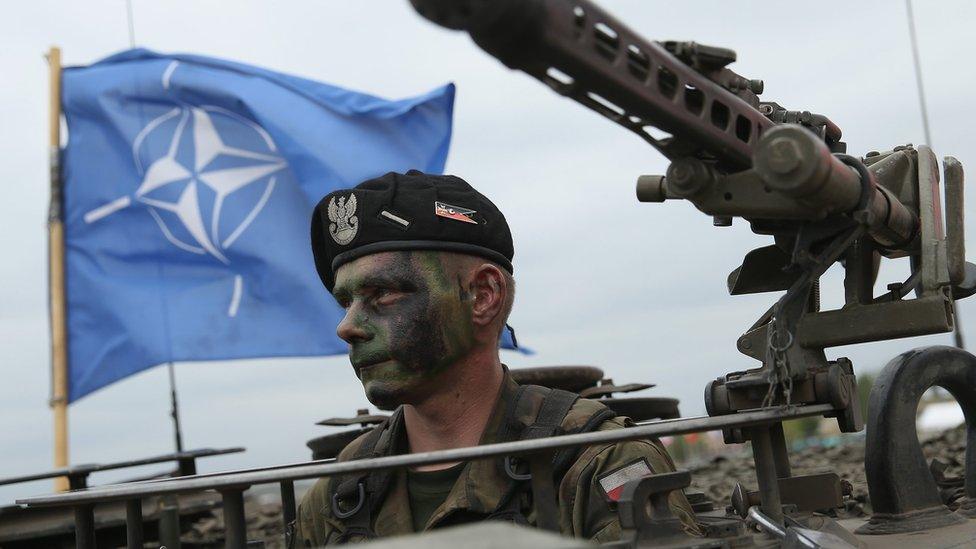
(349, 330)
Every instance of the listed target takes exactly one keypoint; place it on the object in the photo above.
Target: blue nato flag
(189, 184)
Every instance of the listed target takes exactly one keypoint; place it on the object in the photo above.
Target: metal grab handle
(903, 493)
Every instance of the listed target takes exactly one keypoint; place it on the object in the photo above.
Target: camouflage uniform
(584, 510)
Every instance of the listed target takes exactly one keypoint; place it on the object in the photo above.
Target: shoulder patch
(613, 482)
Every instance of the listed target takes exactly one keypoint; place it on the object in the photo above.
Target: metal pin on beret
(411, 211)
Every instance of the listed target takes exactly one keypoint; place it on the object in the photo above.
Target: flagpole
(55, 224)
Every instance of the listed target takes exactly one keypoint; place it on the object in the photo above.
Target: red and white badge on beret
(614, 481)
(457, 213)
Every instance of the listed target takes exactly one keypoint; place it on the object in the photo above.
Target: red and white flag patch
(613, 482)
(456, 213)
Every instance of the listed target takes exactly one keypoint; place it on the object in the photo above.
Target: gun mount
(783, 171)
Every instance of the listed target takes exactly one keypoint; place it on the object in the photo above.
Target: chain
(779, 374)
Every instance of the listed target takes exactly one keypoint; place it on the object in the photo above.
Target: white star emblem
(207, 147)
(192, 162)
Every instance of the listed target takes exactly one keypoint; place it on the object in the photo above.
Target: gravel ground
(715, 478)
(263, 524)
(718, 476)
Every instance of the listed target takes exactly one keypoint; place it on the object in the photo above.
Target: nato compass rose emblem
(207, 173)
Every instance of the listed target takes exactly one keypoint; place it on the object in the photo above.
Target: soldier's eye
(384, 297)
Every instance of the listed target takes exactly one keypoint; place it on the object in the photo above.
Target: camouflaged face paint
(408, 342)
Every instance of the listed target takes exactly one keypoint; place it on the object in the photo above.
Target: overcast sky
(637, 289)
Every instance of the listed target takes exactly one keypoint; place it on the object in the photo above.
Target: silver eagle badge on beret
(344, 223)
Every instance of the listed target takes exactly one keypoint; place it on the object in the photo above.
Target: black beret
(412, 211)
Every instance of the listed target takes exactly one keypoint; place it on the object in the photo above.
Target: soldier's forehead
(388, 264)
(368, 263)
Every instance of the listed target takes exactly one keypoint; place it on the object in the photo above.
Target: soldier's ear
(488, 292)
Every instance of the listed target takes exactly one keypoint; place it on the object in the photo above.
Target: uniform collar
(480, 486)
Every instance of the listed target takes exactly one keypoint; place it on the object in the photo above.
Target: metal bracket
(935, 270)
(646, 515)
(817, 492)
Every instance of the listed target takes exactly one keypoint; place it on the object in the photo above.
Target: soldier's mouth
(360, 366)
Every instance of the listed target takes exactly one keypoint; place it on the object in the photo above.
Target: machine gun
(785, 172)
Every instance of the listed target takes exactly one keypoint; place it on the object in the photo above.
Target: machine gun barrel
(584, 53)
(794, 162)
(794, 177)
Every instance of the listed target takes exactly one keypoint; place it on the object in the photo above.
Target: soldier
(422, 266)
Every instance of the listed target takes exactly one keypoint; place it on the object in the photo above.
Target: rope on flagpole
(923, 108)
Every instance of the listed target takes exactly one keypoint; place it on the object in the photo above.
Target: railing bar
(235, 524)
(322, 461)
(169, 522)
(78, 481)
(765, 464)
(288, 511)
(85, 526)
(234, 471)
(89, 468)
(315, 470)
(133, 524)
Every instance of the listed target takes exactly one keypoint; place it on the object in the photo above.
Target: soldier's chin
(384, 396)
